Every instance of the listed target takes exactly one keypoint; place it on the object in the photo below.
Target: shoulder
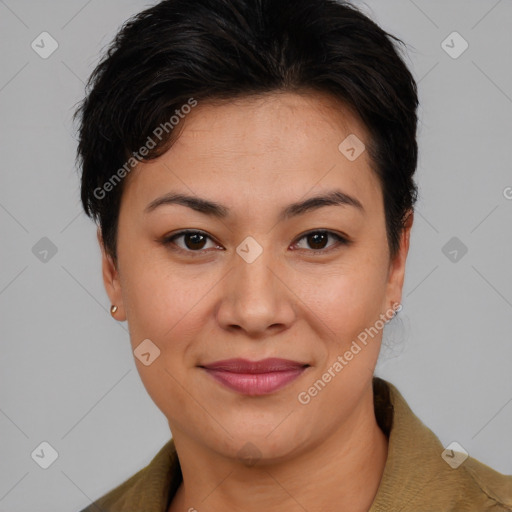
(419, 474)
(115, 499)
(150, 489)
(495, 488)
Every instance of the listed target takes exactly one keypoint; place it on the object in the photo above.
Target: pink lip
(255, 377)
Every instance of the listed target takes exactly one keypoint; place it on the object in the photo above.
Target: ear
(111, 279)
(396, 271)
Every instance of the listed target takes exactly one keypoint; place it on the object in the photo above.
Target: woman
(250, 165)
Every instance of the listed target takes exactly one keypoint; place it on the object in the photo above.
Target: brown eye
(317, 240)
(193, 241)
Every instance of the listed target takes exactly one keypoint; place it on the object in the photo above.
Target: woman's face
(256, 283)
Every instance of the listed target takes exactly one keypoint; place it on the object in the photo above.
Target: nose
(255, 297)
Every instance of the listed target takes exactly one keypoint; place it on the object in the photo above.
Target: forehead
(260, 147)
(280, 123)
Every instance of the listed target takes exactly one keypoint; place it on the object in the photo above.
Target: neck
(342, 472)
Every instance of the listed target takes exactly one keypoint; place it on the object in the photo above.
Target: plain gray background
(67, 371)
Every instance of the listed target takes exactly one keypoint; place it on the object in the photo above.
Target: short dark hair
(180, 50)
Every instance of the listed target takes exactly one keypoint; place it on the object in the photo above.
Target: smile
(255, 378)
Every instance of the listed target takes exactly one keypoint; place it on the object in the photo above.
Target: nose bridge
(254, 298)
(253, 278)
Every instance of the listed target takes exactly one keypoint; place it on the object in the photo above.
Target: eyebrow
(214, 209)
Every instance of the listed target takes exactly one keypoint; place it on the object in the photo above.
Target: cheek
(349, 297)
(349, 306)
(159, 297)
(163, 306)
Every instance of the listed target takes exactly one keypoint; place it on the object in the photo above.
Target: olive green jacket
(418, 475)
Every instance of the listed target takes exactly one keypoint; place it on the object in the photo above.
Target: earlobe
(111, 281)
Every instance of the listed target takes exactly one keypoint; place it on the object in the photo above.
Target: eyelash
(169, 242)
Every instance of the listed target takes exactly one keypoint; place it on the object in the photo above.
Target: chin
(260, 445)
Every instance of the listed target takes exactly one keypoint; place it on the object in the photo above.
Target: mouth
(254, 378)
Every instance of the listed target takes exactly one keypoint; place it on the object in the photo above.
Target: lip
(255, 378)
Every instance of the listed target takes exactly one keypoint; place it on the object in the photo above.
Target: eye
(194, 241)
(317, 240)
